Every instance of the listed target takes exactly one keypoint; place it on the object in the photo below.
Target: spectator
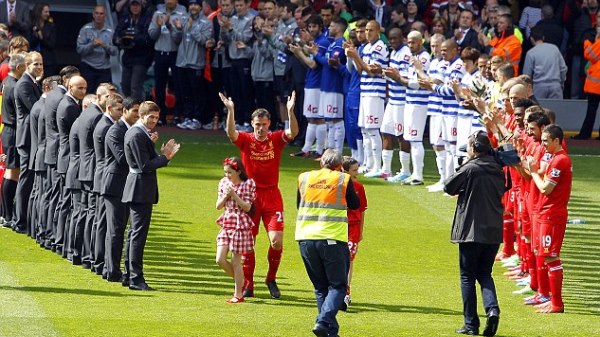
(438, 26)
(546, 66)
(165, 29)
(531, 15)
(398, 20)
(465, 35)
(15, 13)
(191, 59)
(413, 11)
(17, 44)
(506, 43)
(236, 32)
(583, 22)
(43, 36)
(592, 86)
(342, 9)
(95, 46)
(379, 11)
(553, 32)
(132, 37)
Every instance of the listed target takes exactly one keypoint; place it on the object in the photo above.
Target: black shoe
(579, 136)
(248, 293)
(76, 261)
(320, 330)
(273, 289)
(58, 251)
(125, 281)
(20, 230)
(7, 224)
(141, 287)
(491, 323)
(86, 265)
(467, 331)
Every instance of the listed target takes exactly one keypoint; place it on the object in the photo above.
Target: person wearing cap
(131, 35)
(477, 228)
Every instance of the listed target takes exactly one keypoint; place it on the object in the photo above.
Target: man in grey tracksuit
(191, 58)
(165, 28)
(235, 32)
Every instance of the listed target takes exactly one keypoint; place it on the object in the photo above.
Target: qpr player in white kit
(372, 96)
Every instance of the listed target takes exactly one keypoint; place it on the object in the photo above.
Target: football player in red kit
(261, 155)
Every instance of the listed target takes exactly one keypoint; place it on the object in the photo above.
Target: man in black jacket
(477, 228)
(141, 186)
(115, 174)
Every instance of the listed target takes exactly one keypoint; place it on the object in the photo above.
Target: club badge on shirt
(555, 173)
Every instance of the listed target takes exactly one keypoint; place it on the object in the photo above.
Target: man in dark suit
(9, 137)
(15, 14)
(465, 35)
(51, 195)
(67, 112)
(114, 111)
(37, 142)
(115, 174)
(89, 119)
(27, 92)
(141, 186)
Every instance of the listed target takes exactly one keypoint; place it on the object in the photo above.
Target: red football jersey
(559, 172)
(262, 158)
(537, 151)
(354, 215)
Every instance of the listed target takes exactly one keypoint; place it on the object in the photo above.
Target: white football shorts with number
(393, 119)
(311, 103)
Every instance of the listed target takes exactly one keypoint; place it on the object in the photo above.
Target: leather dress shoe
(86, 265)
(464, 330)
(76, 260)
(142, 287)
(579, 136)
(320, 330)
(491, 323)
(20, 230)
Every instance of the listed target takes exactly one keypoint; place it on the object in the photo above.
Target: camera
(506, 155)
(127, 39)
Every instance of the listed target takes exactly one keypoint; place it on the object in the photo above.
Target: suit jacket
(99, 136)
(67, 112)
(34, 117)
(27, 92)
(49, 113)
(71, 181)
(142, 186)
(89, 119)
(9, 112)
(40, 165)
(470, 40)
(21, 25)
(115, 166)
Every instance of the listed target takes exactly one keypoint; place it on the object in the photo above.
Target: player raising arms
(261, 155)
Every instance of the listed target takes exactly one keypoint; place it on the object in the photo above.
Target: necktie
(11, 9)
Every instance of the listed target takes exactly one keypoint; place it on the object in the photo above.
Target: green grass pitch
(406, 273)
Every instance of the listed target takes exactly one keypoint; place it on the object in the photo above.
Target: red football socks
(543, 281)
(555, 275)
(274, 257)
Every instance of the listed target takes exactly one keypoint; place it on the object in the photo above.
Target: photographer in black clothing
(477, 228)
(132, 36)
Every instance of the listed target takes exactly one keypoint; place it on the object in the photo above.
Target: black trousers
(64, 215)
(90, 213)
(590, 115)
(476, 261)
(116, 222)
(34, 205)
(162, 62)
(24, 187)
(99, 235)
(78, 217)
(141, 215)
(53, 199)
(242, 91)
(94, 76)
(42, 201)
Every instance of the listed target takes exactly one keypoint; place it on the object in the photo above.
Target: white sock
(321, 136)
(404, 162)
(330, 135)
(360, 152)
(367, 151)
(340, 134)
(440, 160)
(376, 147)
(354, 154)
(450, 150)
(309, 139)
(386, 157)
(417, 152)
(286, 125)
